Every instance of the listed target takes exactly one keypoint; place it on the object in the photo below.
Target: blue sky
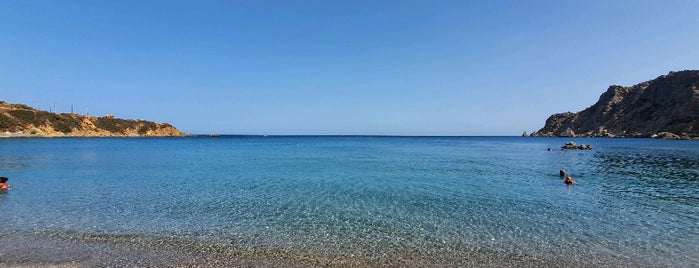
(338, 67)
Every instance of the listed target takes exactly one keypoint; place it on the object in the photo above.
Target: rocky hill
(18, 120)
(666, 107)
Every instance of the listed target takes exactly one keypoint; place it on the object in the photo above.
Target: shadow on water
(664, 175)
(13, 162)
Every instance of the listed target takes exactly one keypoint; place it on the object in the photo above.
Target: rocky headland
(665, 107)
(19, 120)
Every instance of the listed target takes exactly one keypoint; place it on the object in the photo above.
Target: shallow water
(423, 200)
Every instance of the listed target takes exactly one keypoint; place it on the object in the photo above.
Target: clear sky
(338, 67)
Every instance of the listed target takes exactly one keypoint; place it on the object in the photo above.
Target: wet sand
(77, 250)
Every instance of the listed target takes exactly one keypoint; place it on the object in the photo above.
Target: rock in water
(569, 145)
(572, 145)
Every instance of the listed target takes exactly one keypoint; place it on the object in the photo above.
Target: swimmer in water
(569, 181)
(3, 184)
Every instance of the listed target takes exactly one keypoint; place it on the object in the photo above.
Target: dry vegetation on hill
(19, 120)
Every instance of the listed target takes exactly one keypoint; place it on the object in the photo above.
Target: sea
(349, 201)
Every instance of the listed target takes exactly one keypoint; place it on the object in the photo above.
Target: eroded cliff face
(18, 120)
(666, 107)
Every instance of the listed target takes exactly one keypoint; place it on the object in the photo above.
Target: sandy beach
(74, 250)
(64, 250)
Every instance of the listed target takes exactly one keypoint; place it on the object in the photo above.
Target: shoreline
(66, 250)
(27, 249)
(8, 135)
(78, 250)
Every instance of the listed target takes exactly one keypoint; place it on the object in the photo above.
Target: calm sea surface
(428, 199)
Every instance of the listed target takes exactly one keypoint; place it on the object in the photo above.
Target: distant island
(19, 120)
(666, 107)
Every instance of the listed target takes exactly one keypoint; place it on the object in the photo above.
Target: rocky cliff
(666, 107)
(18, 120)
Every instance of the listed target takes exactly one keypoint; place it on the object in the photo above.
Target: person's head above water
(3, 185)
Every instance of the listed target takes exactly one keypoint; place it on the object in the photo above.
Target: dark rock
(669, 103)
(573, 146)
(570, 145)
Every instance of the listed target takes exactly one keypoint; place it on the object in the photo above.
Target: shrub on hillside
(146, 126)
(7, 123)
(115, 125)
(26, 117)
(64, 123)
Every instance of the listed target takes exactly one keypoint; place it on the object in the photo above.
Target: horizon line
(345, 135)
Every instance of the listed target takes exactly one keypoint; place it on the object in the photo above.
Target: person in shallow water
(569, 181)
(562, 173)
(3, 184)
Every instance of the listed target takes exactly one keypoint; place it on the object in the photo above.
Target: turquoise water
(636, 202)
